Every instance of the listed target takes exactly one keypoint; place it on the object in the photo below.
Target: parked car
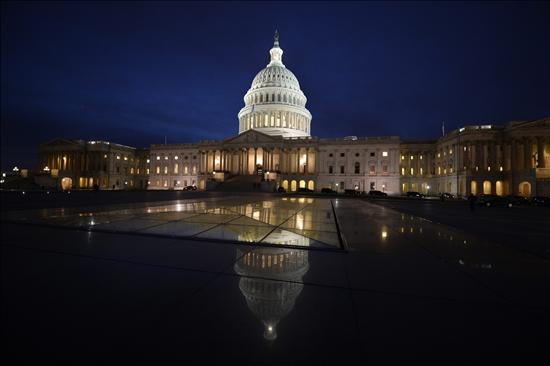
(190, 188)
(517, 200)
(281, 190)
(540, 201)
(446, 196)
(493, 200)
(352, 192)
(305, 190)
(415, 195)
(328, 191)
(374, 193)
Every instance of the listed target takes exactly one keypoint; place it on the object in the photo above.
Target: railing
(542, 173)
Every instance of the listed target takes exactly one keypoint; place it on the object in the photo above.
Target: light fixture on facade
(46, 169)
(15, 169)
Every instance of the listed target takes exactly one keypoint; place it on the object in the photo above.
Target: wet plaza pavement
(265, 280)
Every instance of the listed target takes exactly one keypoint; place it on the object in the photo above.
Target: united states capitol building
(274, 148)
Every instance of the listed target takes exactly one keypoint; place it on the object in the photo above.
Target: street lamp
(427, 190)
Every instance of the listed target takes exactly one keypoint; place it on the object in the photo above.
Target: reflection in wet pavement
(271, 299)
(287, 221)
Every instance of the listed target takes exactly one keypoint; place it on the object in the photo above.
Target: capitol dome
(275, 104)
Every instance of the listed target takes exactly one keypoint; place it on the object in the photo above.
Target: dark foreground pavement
(406, 290)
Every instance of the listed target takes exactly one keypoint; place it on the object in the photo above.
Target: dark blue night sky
(134, 72)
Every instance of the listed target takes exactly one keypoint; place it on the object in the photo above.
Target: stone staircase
(240, 183)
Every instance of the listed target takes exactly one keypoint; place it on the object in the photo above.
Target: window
(342, 169)
(118, 169)
(372, 154)
(372, 186)
(330, 170)
(342, 154)
(166, 170)
(412, 171)
(412, 157)
(176, 157)
(356, 154)
(372, 169)
(158, 157)
(357, 167)
(176, 168)
(402, 171)
(147, 170)
(384, 168)
(330, 155)
(384, 153)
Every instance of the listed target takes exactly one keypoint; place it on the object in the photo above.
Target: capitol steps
(240, 183)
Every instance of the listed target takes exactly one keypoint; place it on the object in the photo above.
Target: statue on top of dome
(276, 37)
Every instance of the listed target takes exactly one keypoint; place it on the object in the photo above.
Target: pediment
(251, 136)
(541, 123)
(60, 142)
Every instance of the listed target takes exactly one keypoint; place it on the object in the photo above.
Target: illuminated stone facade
(275, 145)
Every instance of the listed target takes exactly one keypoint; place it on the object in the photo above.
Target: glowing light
(384, 153)
(15, 169)
(46, 169)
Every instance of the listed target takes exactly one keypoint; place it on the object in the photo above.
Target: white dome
(275, 104)
(275, 76)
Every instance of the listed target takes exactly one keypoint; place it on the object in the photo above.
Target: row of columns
(245, 161)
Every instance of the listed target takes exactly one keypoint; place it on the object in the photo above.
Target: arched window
(357, 167)
(302, 184)
(278, 97)
(487, 187)
(273, 97)
(261, 98)
(256, 98)
(311, 185)
(525, 189)
(473, 187)
(284, 98)
(285, 184)
(499, 188)
(293, 186)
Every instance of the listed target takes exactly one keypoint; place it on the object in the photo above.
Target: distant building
(275, 146)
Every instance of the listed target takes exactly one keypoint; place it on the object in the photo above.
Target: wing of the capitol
(274, 148)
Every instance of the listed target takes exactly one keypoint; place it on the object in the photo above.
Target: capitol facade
(274, 148)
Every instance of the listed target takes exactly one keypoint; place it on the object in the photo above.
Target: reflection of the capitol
(271, 300)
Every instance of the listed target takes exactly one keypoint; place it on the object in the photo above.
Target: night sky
(133, 73)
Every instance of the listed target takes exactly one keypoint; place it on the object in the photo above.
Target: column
(298, 160)
(255, 160)
(307, 161)
(287, 157)
(527, 154)
(540, 153)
